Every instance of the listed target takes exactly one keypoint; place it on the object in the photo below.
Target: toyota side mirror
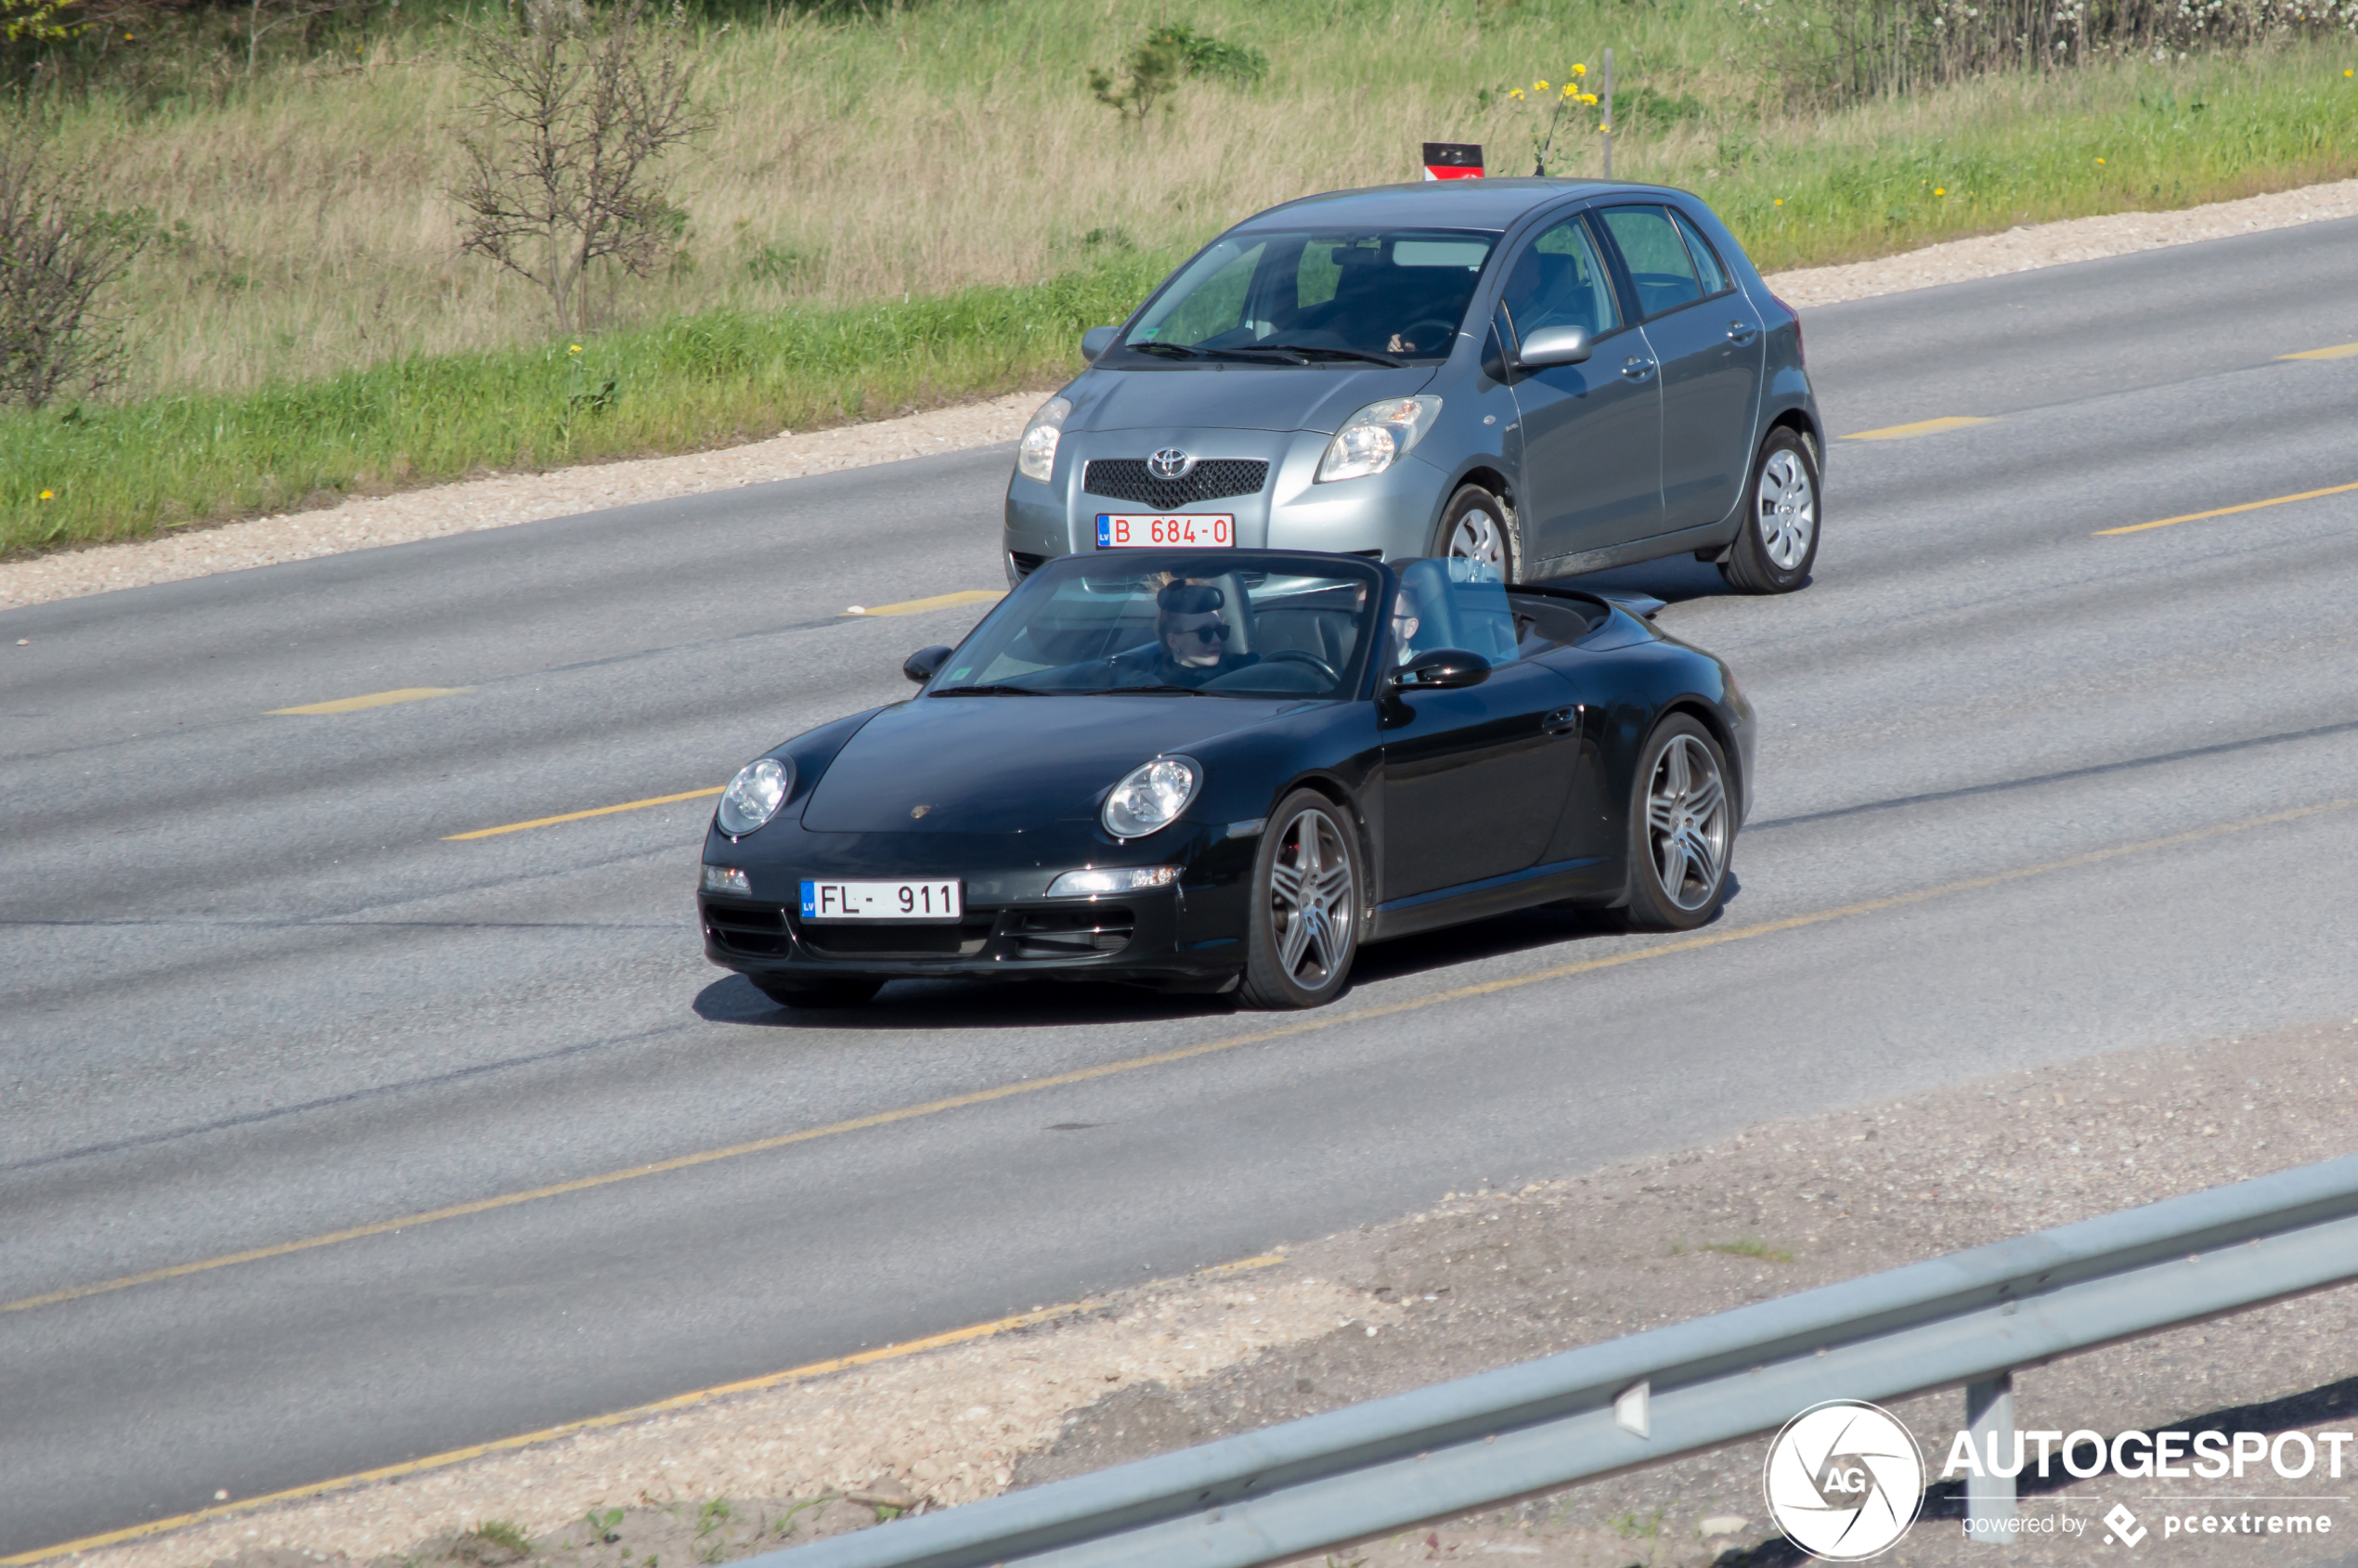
(925, 663)
(1441, 669)
(1554, 346)
(1096, 340)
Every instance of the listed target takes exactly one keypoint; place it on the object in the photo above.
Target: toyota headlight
(1371, 439)
(1151, 796)
(1036, 453)
(755, 794)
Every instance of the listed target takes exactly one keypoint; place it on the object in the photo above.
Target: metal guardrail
(1967, 1319)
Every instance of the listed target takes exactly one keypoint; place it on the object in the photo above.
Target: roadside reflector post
(1607, 134)
(1990, 1497)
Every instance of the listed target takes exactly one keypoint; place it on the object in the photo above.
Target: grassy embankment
(869, 221)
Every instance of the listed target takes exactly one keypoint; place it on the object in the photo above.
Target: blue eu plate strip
(809, 901)
(1105, 531)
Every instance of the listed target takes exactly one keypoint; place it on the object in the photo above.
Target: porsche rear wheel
(1304, 921)
(1778, 540)
(815, 993)
(1681, 827)
(1476, 525)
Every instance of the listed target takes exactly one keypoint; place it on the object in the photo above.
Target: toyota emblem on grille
(1170, 463)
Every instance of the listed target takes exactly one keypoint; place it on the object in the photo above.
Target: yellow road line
(619, 1417)
(1921, 427)
(1162, 1058)
(374, 699)
(2227, 511)
(2338, 350)
(578, 816)
(939, 602)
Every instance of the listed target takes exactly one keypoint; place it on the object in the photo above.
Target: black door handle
(1637, 370)
(1563, 722)
(1742, 332)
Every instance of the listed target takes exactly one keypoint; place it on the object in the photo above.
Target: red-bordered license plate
(1122, 530)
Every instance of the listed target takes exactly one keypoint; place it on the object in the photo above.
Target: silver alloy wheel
(1478, 537)
(1311, 900)
(1788, 506)
(1687, 821)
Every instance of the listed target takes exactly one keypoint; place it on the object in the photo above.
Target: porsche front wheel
(1303, 920)
(1681, 826)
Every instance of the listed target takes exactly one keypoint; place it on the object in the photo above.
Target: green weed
(1749, 1247)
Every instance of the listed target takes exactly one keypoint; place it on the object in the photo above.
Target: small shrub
(60, 254)
(1169, 55)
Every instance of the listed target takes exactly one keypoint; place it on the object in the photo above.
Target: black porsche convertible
(1224, 770)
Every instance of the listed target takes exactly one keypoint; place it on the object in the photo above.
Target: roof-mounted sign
(1453, 160)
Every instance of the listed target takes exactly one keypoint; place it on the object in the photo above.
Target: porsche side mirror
(1441, 669)
(1554, 346)
(1096, 340)
(925, 663)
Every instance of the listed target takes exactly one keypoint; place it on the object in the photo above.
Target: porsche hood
(987, 764)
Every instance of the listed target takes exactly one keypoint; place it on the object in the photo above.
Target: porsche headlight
(1371, 439)
(755, 794)
(1036, 453)
(1151, 796)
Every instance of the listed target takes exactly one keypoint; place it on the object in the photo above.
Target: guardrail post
(1989, 1497)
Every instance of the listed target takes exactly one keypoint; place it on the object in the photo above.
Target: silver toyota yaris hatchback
(1552, 376)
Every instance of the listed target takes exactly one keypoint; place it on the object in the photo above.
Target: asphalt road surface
(2032, 792)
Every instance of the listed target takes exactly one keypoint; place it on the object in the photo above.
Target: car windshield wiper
(1170, 350)
(1319, 350)
(1131, 691)
(992, 692)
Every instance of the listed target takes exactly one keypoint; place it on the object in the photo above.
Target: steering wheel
(1410, 334)
(1298, 655)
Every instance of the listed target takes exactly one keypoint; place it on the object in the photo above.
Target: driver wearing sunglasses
(1192, 633)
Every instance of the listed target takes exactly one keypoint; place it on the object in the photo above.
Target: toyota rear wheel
(1778, 540)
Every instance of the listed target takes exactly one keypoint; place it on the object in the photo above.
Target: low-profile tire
(1477, 525)
(1302, 920)
(815, 993)
(1777, 542)
(1682, 828)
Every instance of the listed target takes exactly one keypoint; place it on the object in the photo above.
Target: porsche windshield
(1391, 297)
(1208, 628)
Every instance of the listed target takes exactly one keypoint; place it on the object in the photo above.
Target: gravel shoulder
(361, 522)
(1478, 1280)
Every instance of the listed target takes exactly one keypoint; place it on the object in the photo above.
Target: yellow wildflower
(1780, 201)
(48, 495)
(1582, 71)
(2099, 159)
(575, 349)
(1515, 93)
(1539, 86)
(1938, 191)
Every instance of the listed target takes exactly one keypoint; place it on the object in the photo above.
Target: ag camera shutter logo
(1843, 1480)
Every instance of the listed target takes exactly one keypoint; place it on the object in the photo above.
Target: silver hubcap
(1686, 822)
(1788, 510)
(1310, 900)
(1478, 537)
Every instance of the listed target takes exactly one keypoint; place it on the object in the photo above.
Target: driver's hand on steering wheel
(1397, 347)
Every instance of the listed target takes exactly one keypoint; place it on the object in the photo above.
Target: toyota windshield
(1391, 297)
